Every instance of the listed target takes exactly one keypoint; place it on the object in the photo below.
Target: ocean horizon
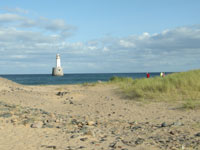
(71, 78)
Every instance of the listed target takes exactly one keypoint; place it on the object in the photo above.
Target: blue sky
(99, 36)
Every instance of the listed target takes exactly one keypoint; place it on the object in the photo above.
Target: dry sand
(70, 117)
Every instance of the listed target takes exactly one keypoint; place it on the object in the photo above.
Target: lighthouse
(57, 71)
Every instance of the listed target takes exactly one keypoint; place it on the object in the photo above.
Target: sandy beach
(90, 117)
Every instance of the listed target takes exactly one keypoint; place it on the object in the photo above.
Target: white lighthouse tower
(58, 61)
(57, 71)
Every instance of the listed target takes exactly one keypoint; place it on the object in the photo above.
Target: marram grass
(183, 86)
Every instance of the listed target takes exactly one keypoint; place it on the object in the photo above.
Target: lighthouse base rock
(57, 71)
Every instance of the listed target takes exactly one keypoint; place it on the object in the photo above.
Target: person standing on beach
(148, 75)
(161, 74)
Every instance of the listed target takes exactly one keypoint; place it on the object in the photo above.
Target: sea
(48, 79)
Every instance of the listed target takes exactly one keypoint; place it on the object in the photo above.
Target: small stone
(177, 123)
(93, 142)
(139, 141)
(69, 148)
(6, 115)
(198, 134)
(49, 126)
(37, 125)
(74, 122)
(59, 94)
(25, 122)
(164, 124)
(135, 128)
(118, 138)
(46, 121)
(91, 123)
(13, 120)
(51, 146)
(102, 140)
(62, 93)
(90, 133)
(112, 144)
(81, 147)
(172, 132)
(83, 139)
(131, 123)
(73, 136)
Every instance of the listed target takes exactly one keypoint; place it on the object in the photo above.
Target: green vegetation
(183, 86)
(89, 84)
(191, 104)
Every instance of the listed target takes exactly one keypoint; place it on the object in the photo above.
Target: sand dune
(96, 117)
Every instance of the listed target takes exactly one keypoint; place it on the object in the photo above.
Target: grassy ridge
(184, 86)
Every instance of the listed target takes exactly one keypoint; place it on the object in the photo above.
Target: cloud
(26, 42)
(126, 44)
(105, 49)
(8, 18)
(16, 10)
(14, 36)
(170, 50)
(18, 56)
(56, 27)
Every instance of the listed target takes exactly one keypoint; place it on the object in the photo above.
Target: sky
(99, 36)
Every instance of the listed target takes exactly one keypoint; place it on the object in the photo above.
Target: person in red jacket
(148, 75)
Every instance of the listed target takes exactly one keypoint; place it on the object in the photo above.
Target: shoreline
(70, 78)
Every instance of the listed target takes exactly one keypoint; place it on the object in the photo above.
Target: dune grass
(89, 84)
(183, 86)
